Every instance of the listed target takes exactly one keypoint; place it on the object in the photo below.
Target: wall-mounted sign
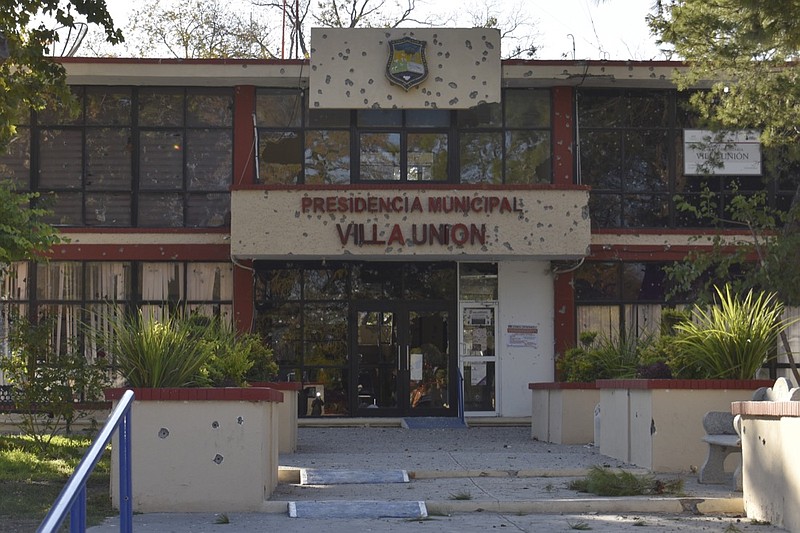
(435, 223)
(407, 66)
(721, 154)
(522, 336)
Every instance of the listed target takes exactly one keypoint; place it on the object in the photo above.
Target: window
(614, 297)
(94, 293)
(508, 143)
(491, 143)
(631, 154)
(410, 145)
(131, 157)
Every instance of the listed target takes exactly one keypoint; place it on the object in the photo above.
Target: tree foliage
(750, 48)
(188, 29)
(746, 52)
(29, 31)
(24, 234)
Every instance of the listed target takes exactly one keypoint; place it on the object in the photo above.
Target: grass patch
(463, 495)
(605, 482)
(31, 480)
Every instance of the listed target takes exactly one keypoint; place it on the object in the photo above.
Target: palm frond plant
(153, 352)
(733, 338)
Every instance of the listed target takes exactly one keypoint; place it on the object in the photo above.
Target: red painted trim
(455, 188)
(641, 252)
(145, 231)
(243, 297)
(770, 409)
(670, 231)
(244, 137)
(563, 136)
(565, 328)
(562, 385)
(716, 384)
(250, 394)
(141, 252)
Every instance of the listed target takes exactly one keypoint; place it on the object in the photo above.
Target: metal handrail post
(77, 514)
(72, 499)
(125, 476)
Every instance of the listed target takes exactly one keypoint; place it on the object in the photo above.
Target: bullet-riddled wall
(348, 68)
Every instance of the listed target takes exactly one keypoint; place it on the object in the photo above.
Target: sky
(599, 29)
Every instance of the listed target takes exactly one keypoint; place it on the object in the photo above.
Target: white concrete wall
(563, 416)
(770, 477)
(525, 298)
(661, 429)
(192, 456)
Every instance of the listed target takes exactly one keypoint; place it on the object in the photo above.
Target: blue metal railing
(72, 499)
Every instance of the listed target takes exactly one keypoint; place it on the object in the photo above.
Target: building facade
(402, 217)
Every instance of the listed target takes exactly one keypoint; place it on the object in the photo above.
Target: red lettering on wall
(396, 235)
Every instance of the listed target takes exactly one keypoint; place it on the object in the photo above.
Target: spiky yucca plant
(157, 352)
(733, 339)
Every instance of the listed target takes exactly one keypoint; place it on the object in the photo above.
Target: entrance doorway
(401, 355)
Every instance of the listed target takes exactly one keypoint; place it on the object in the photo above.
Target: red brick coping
(249, 394)
(727, 384)
(774, 409)
(562, 385)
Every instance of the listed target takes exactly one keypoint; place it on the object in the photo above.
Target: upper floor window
(491, 143)
(142, 157)
(631, 154)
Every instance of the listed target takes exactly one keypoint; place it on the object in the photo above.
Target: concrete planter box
(204, 449)
(563, 413)
(770, 431)
(658, 423)
(287, 412)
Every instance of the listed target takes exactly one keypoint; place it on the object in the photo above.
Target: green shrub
(47, 387)
(603, 357)
(733, 338)
(236, 358)
(156, 352)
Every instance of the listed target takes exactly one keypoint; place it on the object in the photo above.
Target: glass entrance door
(478, 358)
(402, 360)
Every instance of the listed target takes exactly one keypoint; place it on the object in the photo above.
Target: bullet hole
(453, 85)
(468, 44)
(215, 425)
(239, 420)
(163, 433)
(218, 459)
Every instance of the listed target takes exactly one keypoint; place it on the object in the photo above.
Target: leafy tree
(750, 49)
(23, 232)
(198, 29)
(29, 31)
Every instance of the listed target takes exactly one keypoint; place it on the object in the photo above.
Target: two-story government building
(400, 212)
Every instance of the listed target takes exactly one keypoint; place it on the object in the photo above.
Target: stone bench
(723, 439)
(723, 435)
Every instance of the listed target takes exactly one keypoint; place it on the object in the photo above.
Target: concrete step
(319, 476)
(357, 509)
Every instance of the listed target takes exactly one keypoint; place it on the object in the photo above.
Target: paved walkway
(471, 480)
